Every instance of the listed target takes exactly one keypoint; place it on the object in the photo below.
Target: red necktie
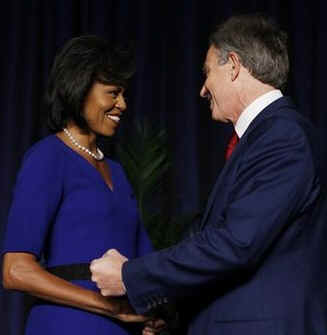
(231, 145)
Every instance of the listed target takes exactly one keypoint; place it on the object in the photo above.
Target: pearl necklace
(98, 156)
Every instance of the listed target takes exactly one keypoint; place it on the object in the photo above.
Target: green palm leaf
(146, 161)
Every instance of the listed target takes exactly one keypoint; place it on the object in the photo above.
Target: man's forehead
(213, 52)
(211, 56)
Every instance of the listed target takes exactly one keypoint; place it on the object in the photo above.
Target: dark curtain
(171, 42)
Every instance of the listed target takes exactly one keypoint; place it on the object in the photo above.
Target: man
(252, 267)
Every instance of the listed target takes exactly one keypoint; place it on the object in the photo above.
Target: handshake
(107, 274)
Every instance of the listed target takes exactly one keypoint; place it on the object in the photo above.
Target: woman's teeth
(113, 117)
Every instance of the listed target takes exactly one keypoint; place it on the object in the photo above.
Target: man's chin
(216, 117)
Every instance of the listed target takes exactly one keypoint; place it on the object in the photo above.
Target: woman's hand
(125, 312)
(153, 327)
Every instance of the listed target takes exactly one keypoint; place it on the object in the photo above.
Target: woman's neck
(84, 138)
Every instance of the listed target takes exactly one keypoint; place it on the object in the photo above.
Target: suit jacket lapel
(231, 165)
(220, 184)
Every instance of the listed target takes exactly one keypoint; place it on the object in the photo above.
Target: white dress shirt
(251, 111)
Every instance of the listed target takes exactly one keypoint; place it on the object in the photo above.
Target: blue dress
(63, 209)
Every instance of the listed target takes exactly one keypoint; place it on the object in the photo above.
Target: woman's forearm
(22, 272)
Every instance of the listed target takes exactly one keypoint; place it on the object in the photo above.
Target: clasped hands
(107, 274)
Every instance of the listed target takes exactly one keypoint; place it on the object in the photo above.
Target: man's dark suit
(254, 268)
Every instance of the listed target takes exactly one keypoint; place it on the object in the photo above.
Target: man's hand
(106, 273)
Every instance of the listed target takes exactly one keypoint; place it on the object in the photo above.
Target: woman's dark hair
(77, 66)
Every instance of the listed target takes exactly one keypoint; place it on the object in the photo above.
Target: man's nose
(203, 92)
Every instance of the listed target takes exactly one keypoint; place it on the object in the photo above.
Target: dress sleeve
(36, 197)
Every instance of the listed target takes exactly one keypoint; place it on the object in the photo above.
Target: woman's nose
(121, 103)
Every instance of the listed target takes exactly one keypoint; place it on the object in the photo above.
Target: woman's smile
(103, 108)
(115, 118)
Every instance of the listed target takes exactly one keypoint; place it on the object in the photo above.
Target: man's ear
(235, 65)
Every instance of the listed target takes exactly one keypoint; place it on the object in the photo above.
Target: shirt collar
(251, 111)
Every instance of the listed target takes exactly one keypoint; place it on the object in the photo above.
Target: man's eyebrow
(205, 69)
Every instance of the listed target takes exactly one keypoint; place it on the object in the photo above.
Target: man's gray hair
(260, 45)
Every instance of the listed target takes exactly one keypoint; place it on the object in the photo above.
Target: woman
(70, 203)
